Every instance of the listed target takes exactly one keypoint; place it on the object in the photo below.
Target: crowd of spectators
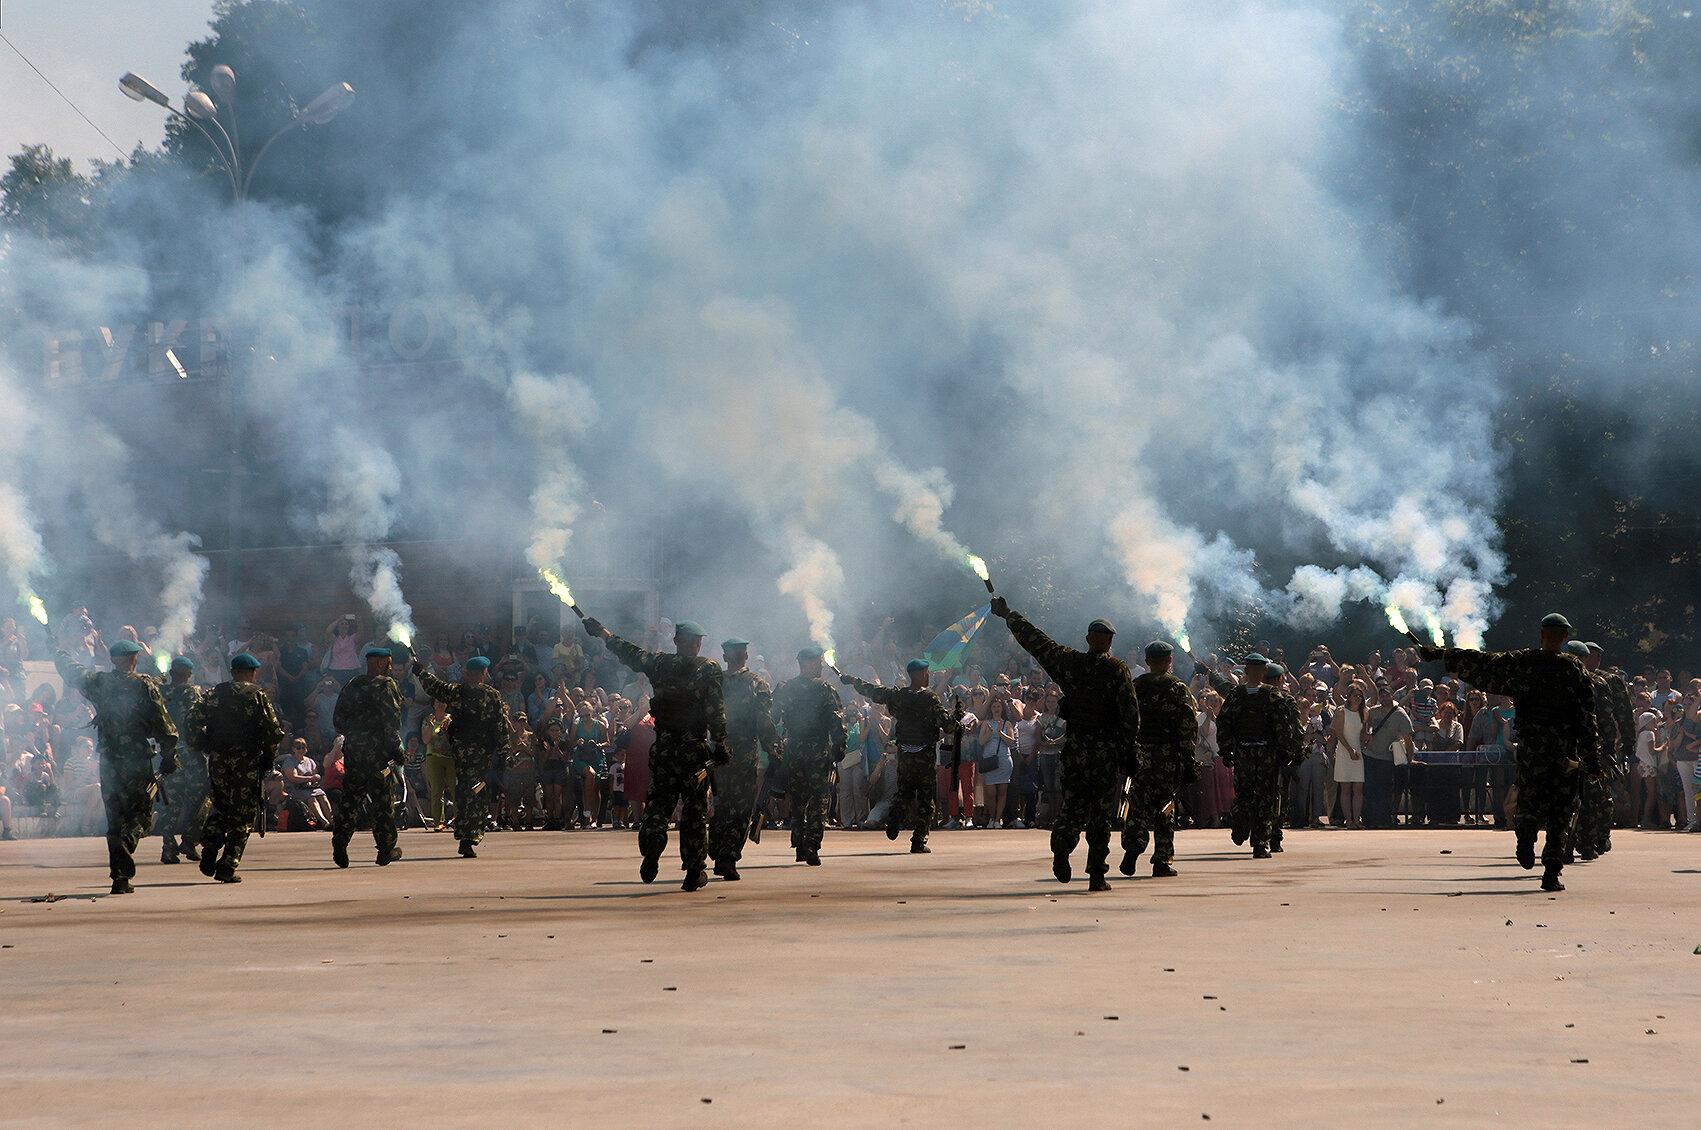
(1389, 741)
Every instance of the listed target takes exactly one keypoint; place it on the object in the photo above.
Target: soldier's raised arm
(447, 693)
(630, 654)
(873, 692)
(1053, 656)
(1492, 672)
(72, 672)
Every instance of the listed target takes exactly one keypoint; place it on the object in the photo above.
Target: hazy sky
(83, 46)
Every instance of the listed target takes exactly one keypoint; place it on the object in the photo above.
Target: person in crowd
(321, 712)
(304, 783)
(996, 739)
(1556, 707)
(1684, 755)
(1348, 734)
(14, 652)
(369, 718)
(1309, 778)
(129, 714)
(237, 729)
(295, 675)
(342, 650)
(812, 718)
(1104, 727)
(1390, 727)
(439, 764)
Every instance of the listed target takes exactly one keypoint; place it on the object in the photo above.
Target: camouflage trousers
(472, 793)
(809, 776)
(365, 780)
(187, 788)
(1257, 792)
(129, 807)
(1091, 768)
(677, 777)
(1594, 814)
(1150, 794)
(735, 803)
(235, 792)
(1547, 800)
(918, 790)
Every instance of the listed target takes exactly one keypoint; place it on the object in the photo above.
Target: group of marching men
(712, 723)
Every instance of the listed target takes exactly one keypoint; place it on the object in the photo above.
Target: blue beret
(1576, 647)
(1157, 649)
(1254, 660)
(1593, 647)
(478, 663)
(734, 644)
(810, 653)
(1276, 669)
(244, 662)
(378, 653)
(183, 661)
(1101, 626)
(689, 628)
(917, 665)
(1555, 620)
(124, 647)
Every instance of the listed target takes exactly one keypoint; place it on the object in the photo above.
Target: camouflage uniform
(1288, 755)
(129, 713)
(1556, 733)
(813, 717)
(1104, 727)
(190, 784)
(1169, 727)
(919, 719)
(690, 711)
(369, 717)
(749, 728)
(1259, 728)
(479, 736)
(1616, 731)
(235, 726)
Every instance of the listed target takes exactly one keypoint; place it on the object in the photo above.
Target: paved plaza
(1402, 979)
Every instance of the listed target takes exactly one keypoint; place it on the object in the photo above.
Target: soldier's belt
(924, 748)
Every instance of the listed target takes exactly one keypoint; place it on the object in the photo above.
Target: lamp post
(200, 107)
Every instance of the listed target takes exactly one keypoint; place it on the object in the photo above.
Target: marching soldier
(1253, 734)
(235, 726)
(691, 731)
(1289, 755)
(813, 717)
(479, 736)
(919, 719)
(129, 713)
(1169, 727)
(369, 717)
(180, 823)
(1556, 733)
(1104, 728)
(1616, 732)
(749, 728)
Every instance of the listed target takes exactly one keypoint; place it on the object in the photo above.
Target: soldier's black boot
(387, 856)
(1240, 831)
(892, 828)
(1163, 871)
(1275, 844)
(720, 867)
(802, 854)
(648, 868)
(1259, 851)
(1130, 860)
(467, 851)
(189, 850)
(209, 860)
(339, 854)
(1060, 866)
(1097, 883)
(812, 857)
(1526, 853)
(695, 879)
(919, 847)
(1550, 879)
(1587, 855)
(122, 887)
(728, 871)
(168, 851)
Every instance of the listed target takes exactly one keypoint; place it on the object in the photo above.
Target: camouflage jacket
(688, 696)
(812, 715)
(1614, 727)
(129, 711)
(369, 717)
(1100, 703)
(749, 703)
(236, 721)
(1260, 717)
(919, 717)
(478, 718)
(180, 698)
(1168, 719)
(1553, 695)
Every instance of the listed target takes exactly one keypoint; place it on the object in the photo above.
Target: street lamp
(199, 107)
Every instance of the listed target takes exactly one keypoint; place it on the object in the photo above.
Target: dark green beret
(478, 663)
(124, 647)
(378, 653)
(1158, 649)
(244, 662)
(183, 661)
(810, 653)
(917, 665)
(1576, 647)
(1254, 660)
(1277, 670)
(689, 628)
(1101, 626)
(1555, 620)
(734, 644)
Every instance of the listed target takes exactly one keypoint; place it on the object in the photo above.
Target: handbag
(987, 763)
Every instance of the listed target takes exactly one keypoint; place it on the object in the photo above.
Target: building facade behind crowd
(1390, 741)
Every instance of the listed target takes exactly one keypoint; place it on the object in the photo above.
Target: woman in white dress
(1346, 750)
